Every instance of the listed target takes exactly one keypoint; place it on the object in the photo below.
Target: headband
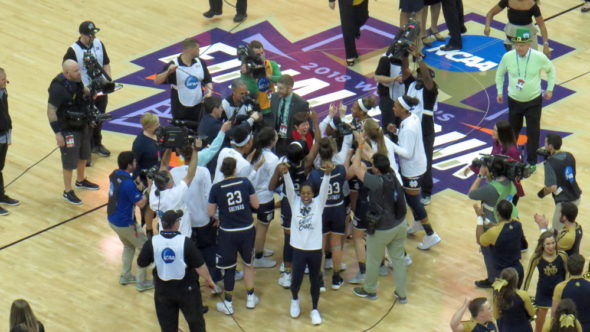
(567, 320)
(404, 104)
(499, 284)
(242, 143)
(362, 106)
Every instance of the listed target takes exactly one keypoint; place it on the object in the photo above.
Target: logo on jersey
(168, 256)
(191, 82)
(467, 103)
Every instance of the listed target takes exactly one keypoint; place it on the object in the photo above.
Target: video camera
(252, 102)
(405, 37)
(174, 137)
(254, 63)
(342, 127)
(89, 115)
(99, 79)
(149, 173)
(504, 166)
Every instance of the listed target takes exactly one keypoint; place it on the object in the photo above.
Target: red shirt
(308, 138)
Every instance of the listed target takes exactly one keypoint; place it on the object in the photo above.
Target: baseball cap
(169, 218)
(522, 36)
(88, 28)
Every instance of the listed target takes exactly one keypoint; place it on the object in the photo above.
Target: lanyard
(528, 57)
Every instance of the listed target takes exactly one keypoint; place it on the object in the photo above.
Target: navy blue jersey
(338, 176)
(232, 196)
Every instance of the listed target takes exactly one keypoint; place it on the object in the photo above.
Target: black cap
(170, 217)
(88, 28)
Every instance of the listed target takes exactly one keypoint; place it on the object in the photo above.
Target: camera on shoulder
(254, 64)
(500, 165)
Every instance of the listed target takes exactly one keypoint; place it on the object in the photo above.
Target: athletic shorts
(334, 218)
(431, 2)
(286, 213)
(414, 182)
(360, 216)
(229, 244)
(266, 212)
(354, 184)
(77, 148)
(411, 6)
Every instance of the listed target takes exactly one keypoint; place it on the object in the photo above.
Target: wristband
(543, 230)
(479, 221)
(55, 126)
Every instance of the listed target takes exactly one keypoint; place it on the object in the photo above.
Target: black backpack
(390, 204)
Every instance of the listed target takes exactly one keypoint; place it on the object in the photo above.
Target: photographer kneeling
(386, 226)
(69, 116)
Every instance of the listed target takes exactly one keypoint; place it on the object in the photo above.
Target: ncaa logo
(479, 53)
(191, 82)
(168, 256)
(569, 173)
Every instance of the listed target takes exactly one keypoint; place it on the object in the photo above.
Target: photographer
(498, 188)
(67, 112)
(387, 227)
(5, 140)
(261, 86)
(284, 105)
(88, 43)
(560, 177)
(191, 83)
(124, 195)
(168, 196)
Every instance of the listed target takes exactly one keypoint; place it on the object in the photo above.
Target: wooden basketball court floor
(69, 273)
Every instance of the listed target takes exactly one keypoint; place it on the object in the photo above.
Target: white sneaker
(329, 264)
(408, 260)
(383, 270)
(295, 310)
(425, 200)
(285, 280)
(225, 307)
(251, 301)
(429, 241)
(268, 252)
(282, 267)
(306, 269)
(316, 319)
(359, 278)
(239, 275)
(416, 227)
(264, 263)
(216, 290)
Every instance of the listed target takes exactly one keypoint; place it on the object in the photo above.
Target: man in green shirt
(262, 87)
(524, 66)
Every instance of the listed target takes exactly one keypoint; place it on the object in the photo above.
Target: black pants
(96, 135)
(313, 259)
(427, 182)
(206, 240)
(3, 151)
(281, 146)
(241, 6)
(531, 111)
(352, 18)
(188, 301)
(453, 13)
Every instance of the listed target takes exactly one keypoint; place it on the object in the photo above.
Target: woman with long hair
(564, 319)
(551, 265)
(513, 309)
(22, 318)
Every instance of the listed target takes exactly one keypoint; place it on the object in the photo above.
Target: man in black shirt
(67, 114)
(191, 83)
(5, 140)
(389, 74)
(88, 43)
(177, 285)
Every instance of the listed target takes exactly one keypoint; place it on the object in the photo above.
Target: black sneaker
(484, 283)
(89, 163)
(401, 300)
(240, 18)
(360, 292)
(337, 282)
(85, 184)
(71, 197)
(101, 150)
(3, 212)
(8, 201)
(210, 13)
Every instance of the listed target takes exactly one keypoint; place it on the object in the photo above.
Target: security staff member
(67, 111)
(560, 177)
(124, 195)
(177, 288)
(89, 43)
(191, 83)
(5, 140)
